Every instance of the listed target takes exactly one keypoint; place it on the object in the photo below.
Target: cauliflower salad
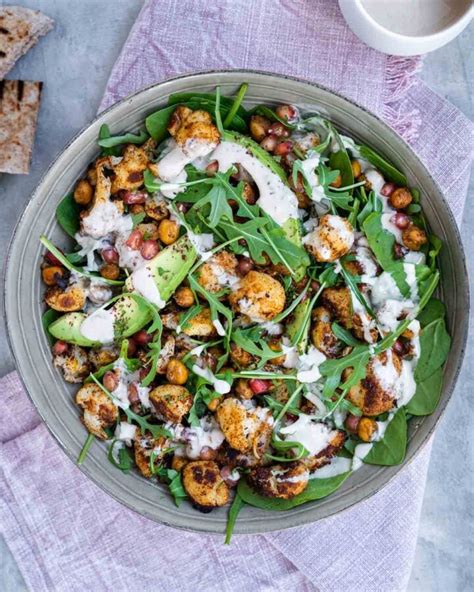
(246, 305)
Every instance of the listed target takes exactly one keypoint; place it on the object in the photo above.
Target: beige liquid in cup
(416, 17)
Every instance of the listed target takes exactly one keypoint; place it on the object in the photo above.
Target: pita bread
(20, 29)
(19, 105)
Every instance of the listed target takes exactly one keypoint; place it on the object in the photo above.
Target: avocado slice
(168, 269)
(291, 227)
(295, 326)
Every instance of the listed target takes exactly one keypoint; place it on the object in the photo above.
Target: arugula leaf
(251, 341)
(67, 215)
(219, 206)
(317, 489)
(175, 484)
(125, 462)
(85, 449)
(189, 314)
(427, 395)
(333, 369)
(236, 104)
(344, 335)
(128, 138)
(390, 450)
(386, 168)
(217, 111)
(157, 123)
(48, 319)
(436, 245)
(351, 281)
(234, 511)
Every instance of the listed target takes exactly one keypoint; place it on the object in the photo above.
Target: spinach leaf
(104, 133)
(47, 319)
(340, 160)
(427, 395)
(317, 489)
(236, 104)
(204, 98)
(234, 511)
(436, 245)
(157, 123)
(434, 348)
(434, 310)
(380, 240)
(67, 215)
(385, 167)
(390, 450)
(128, 138)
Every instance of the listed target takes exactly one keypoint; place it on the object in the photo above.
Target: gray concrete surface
(74, 61)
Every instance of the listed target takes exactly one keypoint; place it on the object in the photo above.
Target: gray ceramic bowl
(53, 398)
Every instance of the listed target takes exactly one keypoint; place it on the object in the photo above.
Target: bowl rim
(443, 33)
(301, 519)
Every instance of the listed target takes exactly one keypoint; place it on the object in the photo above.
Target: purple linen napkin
(65, 533)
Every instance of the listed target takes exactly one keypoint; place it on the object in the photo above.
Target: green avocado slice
(291, 227)
(168, 269)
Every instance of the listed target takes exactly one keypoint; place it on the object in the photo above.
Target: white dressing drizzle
(220, 386)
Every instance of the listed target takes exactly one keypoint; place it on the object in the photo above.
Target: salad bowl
(54, 399)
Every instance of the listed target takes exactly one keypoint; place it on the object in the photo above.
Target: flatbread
(19, 106)
(20, 29)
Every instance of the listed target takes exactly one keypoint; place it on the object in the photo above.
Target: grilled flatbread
(20, 29)
(19, 105)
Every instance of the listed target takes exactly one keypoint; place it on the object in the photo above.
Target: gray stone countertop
(74, 61)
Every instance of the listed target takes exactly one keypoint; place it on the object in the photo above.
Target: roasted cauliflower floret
(203, 483)
(73, 363)
(171, 402)
(376, 393)
(331, 239)
(322, 335)
(99, 410)
(200, 325)
(128, 173)
(282, 481)
(102, 356)
(259, 296)
(71, 299)
(337, 301)
(187, 126)
(143, 447)
(323, 457)
(219, 272)
(245, 429)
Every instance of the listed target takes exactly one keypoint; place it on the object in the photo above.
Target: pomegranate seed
(135, 240)
(283, 148)
(133, 197)
(259, 386)
(279, 130)
(149, 249)
(400, 220)
(50, 258)
(398, 251)
(315, 285)
(142, 338)
(212, 168)
(351, 423)
(132, 348)
(110, 255)
(132, 391)
(269, 143)
(110, 380)
(287, 112)
(60, 348)
(388, 189)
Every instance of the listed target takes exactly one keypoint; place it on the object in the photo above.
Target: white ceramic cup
(407, 27)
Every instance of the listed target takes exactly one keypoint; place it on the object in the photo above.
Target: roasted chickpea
(156, 209)
(243, 390)
(240, 356)
(275, 346)
(214, 404)
(136, 208)
(184, 297)
(259, 127)
(178, 463)
(366, 428)
(92, 175)
(414, 238)
(356, 168)
(249, 193)
(176, 372)
(52, 274)
(110, 271)
(168, 232)
(337, 182)
(83, 192)
(400, 198)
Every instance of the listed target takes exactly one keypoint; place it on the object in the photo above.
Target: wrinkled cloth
(66, 533)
